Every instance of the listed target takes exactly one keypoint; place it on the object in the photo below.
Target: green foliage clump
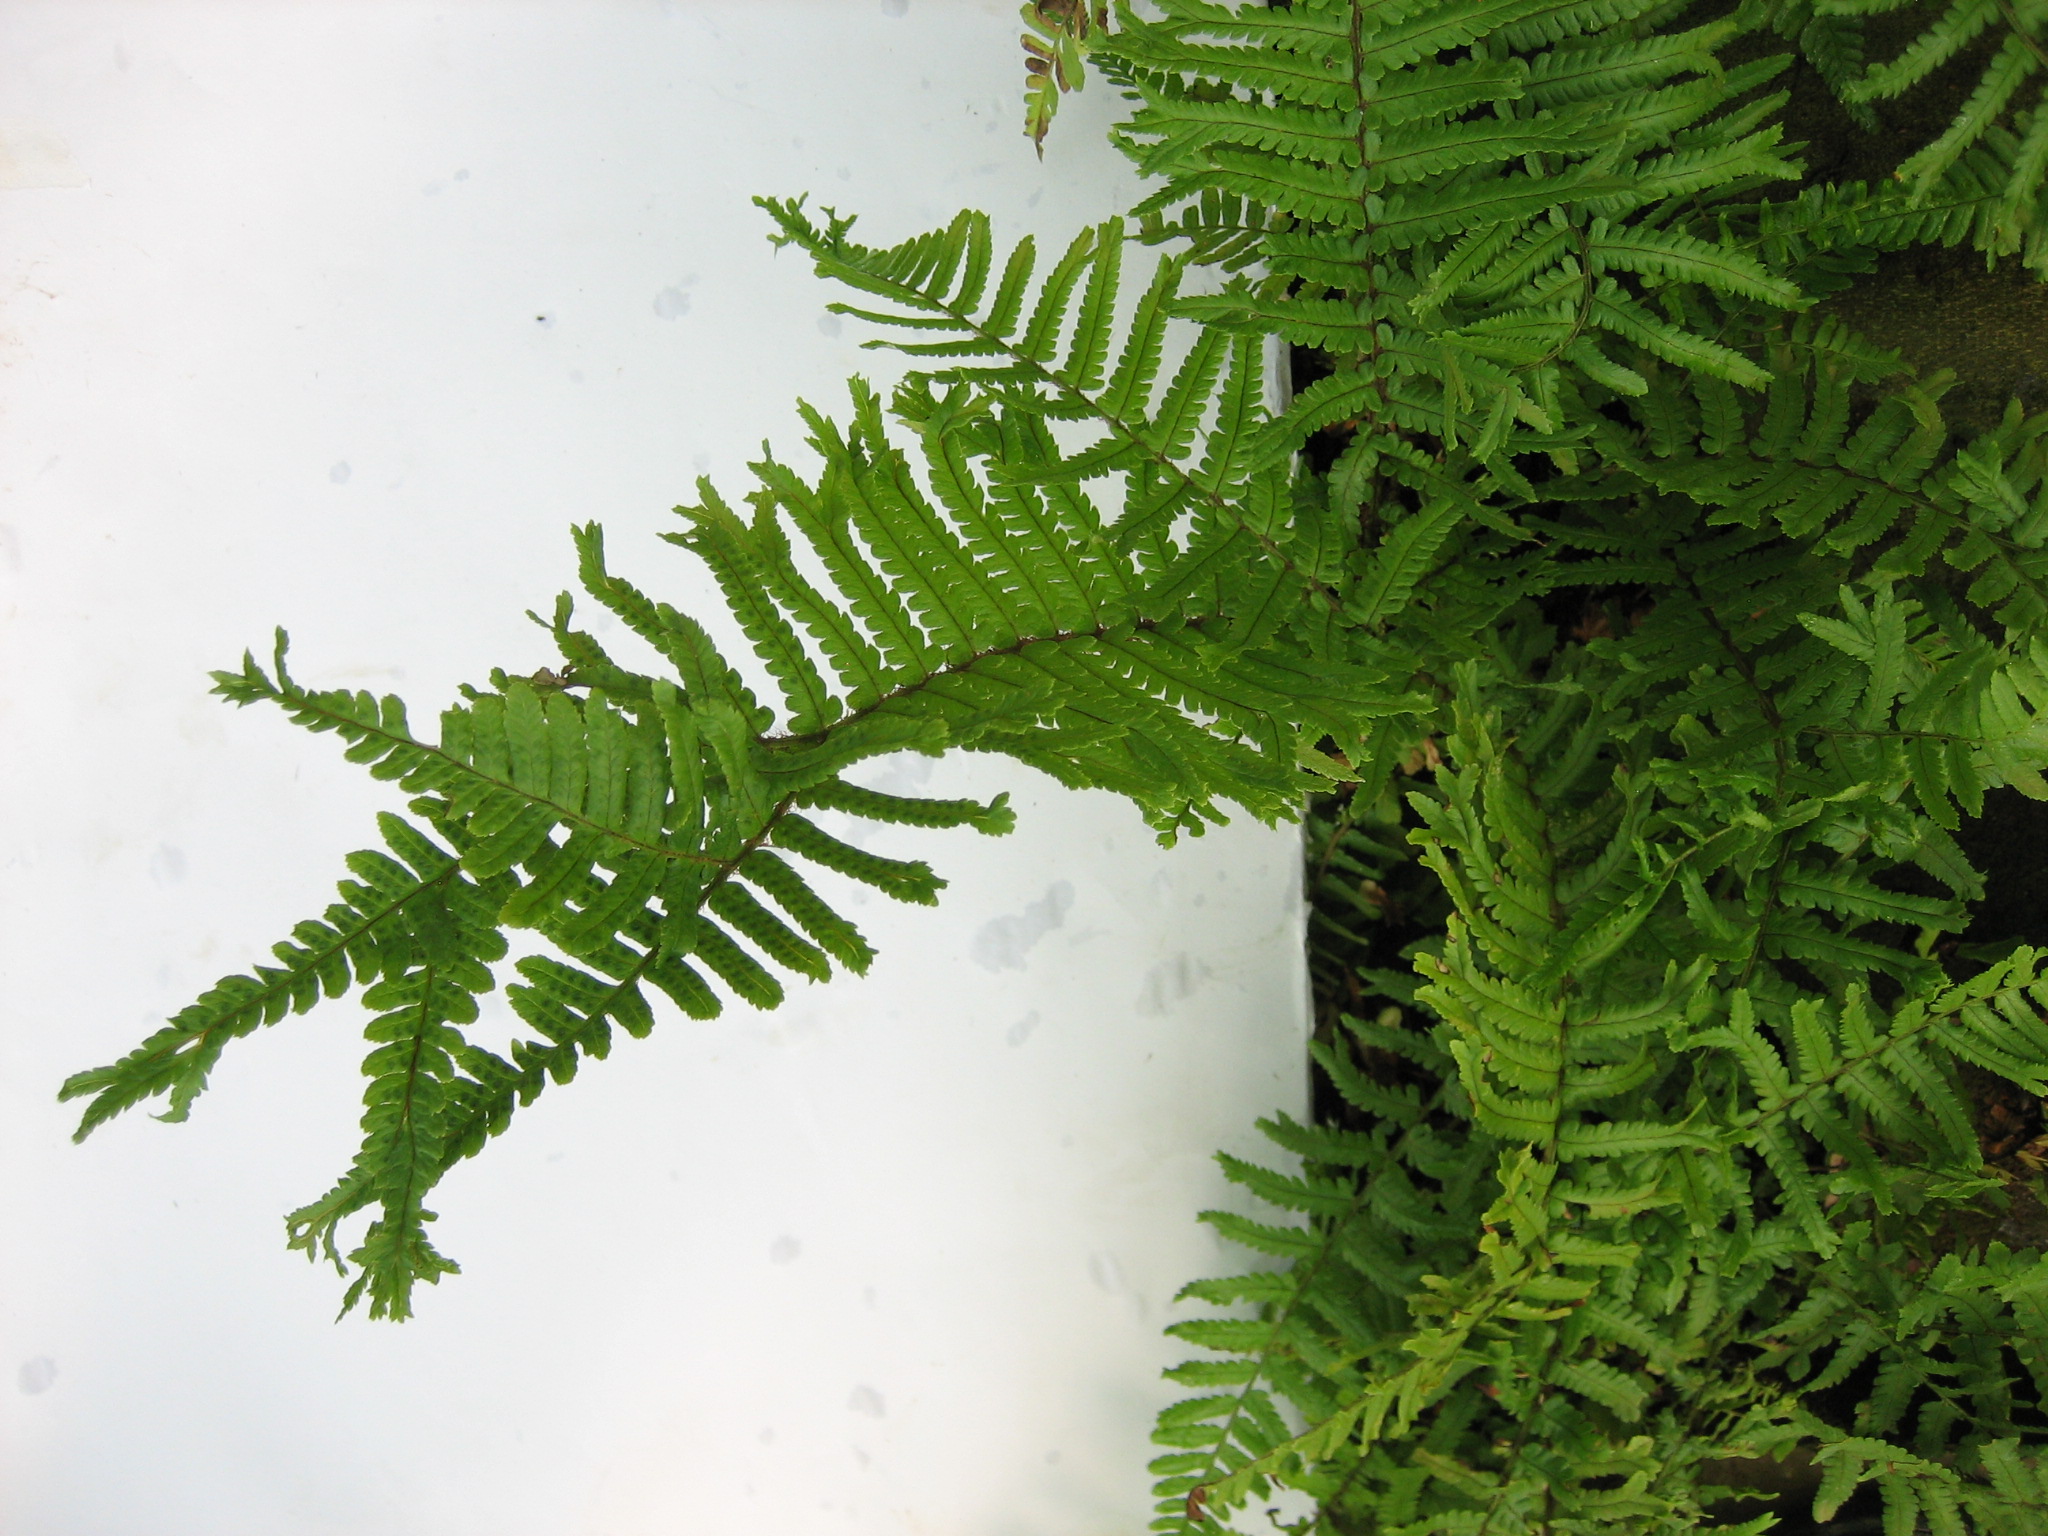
(1645, 639)
(1653, 1167)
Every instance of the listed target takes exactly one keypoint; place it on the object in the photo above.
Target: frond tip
(1054, 50)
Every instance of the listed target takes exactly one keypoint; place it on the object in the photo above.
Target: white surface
(337, 315)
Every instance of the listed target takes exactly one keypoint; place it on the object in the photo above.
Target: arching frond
(962, 591)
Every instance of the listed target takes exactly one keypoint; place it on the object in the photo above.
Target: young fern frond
(1054, 50)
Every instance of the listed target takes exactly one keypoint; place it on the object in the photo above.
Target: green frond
(911, 881)
(414, 1037)
(622, 817)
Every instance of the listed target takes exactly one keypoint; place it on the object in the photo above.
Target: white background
(337, 315)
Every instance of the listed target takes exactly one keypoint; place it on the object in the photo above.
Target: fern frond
(1027, 381)
(415, 1037)
(1334, 144)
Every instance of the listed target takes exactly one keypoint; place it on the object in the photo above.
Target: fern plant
(1655, 1164)
(1648, 636)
